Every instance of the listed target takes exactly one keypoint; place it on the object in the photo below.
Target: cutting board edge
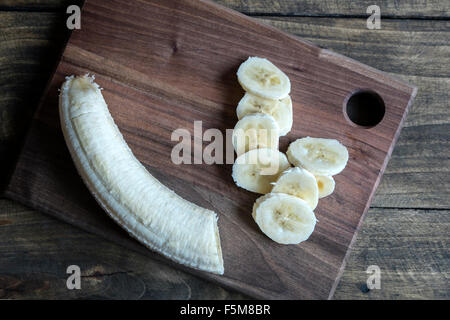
(377, 182)
(14, 196)
(321, 51)
(203, 275)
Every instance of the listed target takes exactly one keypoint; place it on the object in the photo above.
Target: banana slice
(280, 110)
(319, 156)
(284, 218)
(299, 183)
(255, 131)
(258, 168)
(262, 78)
(130, 195)
(326, 185)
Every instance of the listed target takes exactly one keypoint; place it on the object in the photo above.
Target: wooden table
(406, 232)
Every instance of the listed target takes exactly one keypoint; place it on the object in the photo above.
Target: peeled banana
(300, 183)
(148, 210)
(262, 78)
(325, 185)
(255, 131)
(280, 110)
(258, 168)
(284, 218)
(319, 156)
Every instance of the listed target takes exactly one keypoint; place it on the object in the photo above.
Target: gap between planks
(250, 14)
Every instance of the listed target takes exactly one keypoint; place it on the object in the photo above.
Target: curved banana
(148, 210)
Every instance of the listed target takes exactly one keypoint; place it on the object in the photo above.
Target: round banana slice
(319, 156)
(258, 168)
(284, 218)
(262, 78)
(299, 183)
(280, 110)
(255, 131)
(326, 185)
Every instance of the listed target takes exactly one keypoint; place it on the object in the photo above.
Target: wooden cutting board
(165, 64)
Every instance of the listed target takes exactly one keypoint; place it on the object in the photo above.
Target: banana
(326, 185)
(286, 213)
(284, 218)
(319, 156)
(258, 168)
(255, 131)
(261, 77)
(148, 210)
(280, 110)
(299, 183)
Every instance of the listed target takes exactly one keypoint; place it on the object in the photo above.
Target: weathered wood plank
(409, 246)
(41, 5)
(414, 51)
(415, 9)
(143, 61)
(35, 251)
(407, 47)
(423, 142)
(418, 173)
(30, 44)
(420, 8)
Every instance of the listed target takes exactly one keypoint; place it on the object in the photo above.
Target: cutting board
(165, 64)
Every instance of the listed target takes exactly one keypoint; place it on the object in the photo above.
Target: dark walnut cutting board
(163, 65)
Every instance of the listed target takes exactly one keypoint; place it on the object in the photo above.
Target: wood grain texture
(36, 250)
(143, 58)
(412, 47)
(30, 44)
(411, 249)
(402, 9)
(33, 40)
(420, 8)
(37, 5)
(409, 246)
(414, 51)
(426, 128)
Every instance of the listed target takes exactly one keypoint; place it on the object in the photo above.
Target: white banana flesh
(284, 218)
(255, 131)
(148, 210)
(326, 185)
(262, 78)
(299, 183)
(285, 214)
(280, 110)
(319, 156)
(257, 169)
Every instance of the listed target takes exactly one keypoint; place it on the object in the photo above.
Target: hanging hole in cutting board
(364, 108)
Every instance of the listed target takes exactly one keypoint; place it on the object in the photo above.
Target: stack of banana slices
(285, 213)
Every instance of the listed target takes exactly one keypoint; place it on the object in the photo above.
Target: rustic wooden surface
(143, 60)
(409, 245)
